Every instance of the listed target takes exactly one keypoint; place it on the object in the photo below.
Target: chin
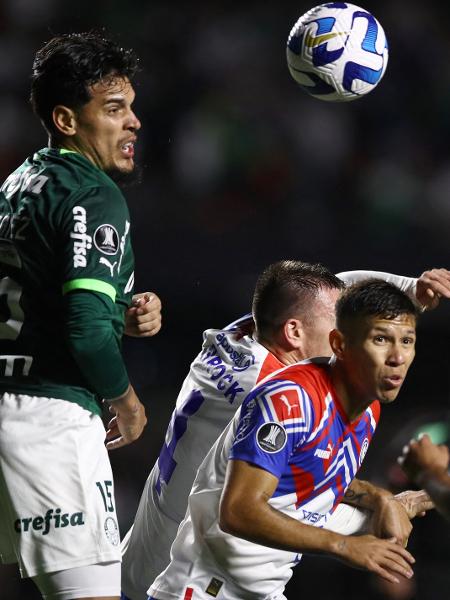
(387, 397)
(125, 177)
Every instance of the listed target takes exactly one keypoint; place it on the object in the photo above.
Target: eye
(408, 341)
(379, 339)
(113, 109)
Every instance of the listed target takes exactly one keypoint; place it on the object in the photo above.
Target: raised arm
(425, 290)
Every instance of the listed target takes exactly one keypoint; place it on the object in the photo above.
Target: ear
(337, 343)
(293, 332)
(64, 120)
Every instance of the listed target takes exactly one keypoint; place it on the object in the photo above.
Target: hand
(431, 286)
(386, 558)
(128, 422)
(421, 457)
(390, 519)
(247, 328)
(143, 318)
(416, 503)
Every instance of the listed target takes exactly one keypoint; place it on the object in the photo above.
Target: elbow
(231, 519)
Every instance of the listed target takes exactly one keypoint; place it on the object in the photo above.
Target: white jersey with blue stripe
(227, 368)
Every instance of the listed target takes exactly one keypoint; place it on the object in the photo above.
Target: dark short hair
(286, 289)
(371, 298)
(66, 66)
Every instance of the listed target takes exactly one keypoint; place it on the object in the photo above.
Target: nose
(396, 356)
(134, 123)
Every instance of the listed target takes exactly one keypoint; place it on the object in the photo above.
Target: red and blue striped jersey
(293, 426)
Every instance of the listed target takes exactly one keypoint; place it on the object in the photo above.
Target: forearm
(261, 524)
(245, 512)
(363, 494)
(93, 344)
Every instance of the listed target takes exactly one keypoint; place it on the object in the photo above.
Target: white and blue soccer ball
(337, 51)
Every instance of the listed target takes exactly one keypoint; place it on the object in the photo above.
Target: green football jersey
(64, 225)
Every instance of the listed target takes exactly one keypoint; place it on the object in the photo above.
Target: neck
(70, 144)
(285, 356)
(352, 400)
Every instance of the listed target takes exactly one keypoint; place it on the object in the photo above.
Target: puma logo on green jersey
(82, 242)
(52, 518)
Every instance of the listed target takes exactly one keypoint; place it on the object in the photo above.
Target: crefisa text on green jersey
(82, 241)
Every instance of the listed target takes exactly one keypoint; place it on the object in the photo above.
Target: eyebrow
(114, 100)
(381, 329)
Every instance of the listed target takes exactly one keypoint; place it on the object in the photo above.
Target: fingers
(148, 302)
(113, 429)
(126, 427)
(141, 299)
(399, 564)
(146, 326)
(389, 569)
(416, 502)
(116, 443)
(437, 281)
(395, 560)
(384, 574)
(422, 507)
(143, 318)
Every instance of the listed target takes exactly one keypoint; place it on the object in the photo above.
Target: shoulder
(311, 376)
(235, 349)
(72, 171)
(307, 385)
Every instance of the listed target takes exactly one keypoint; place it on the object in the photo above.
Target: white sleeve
(349, 520)
(406, 284)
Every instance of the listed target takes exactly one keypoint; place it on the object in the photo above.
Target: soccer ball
(337, 52)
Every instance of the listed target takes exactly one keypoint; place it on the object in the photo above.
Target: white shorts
(146, 546)
(57, 507)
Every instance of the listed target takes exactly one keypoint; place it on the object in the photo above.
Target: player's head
(374, 339)
(81, 90)
(293, 307)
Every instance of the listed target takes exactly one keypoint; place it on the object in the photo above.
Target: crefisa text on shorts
(53, 518)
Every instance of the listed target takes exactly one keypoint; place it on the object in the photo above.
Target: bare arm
(128, 421)
(245, 512)
(391, 514)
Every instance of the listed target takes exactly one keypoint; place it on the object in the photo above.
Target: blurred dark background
(241, 168)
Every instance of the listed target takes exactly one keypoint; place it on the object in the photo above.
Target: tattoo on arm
(353, 498)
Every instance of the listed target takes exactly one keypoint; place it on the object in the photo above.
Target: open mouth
(128, 149)
(394, 381)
